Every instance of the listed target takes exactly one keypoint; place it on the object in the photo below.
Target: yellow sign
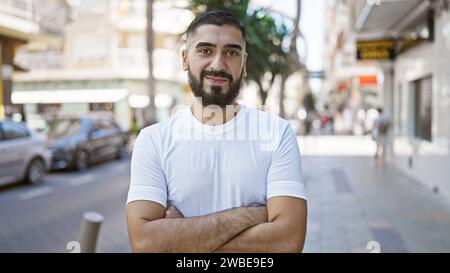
(376, 49)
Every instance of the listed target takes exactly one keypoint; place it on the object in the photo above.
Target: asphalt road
(45, 218)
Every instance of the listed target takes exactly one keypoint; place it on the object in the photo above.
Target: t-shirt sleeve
(147, 178)
(285, 172)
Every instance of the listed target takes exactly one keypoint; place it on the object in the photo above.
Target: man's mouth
(216, 80)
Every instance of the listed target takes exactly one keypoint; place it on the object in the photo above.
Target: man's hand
(284, 231)
(173, 212)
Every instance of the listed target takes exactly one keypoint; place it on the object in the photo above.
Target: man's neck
(214, 115)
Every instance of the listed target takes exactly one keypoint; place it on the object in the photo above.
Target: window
(97, 126)
(108, 106)
(13, 130)
(64, 127)
(107, 124)
(422, 95)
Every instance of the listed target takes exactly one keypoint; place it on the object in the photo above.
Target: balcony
(17, 19)
(40, 60)
(17, 8)
(168, 18)
(167, 64)
(132, 57)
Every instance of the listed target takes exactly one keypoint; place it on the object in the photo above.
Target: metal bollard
(90, 227)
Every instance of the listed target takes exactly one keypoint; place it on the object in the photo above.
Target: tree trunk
(149, 112)
(292, 59)
(262, 93)
(281, 112)
(296, 31)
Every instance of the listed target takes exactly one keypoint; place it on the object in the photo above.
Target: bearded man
(217, 176)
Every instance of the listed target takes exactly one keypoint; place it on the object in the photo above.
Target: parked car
(23, 154)
(77, 142)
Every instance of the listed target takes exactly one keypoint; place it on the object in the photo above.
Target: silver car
(23, 154)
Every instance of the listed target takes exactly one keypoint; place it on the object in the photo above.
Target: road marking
(35, 193)
(85, 179)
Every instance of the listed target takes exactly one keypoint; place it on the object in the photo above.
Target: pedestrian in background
(379, 133)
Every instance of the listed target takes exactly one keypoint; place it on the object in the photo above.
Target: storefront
(126, 99)
(417, 86)
(421, 141)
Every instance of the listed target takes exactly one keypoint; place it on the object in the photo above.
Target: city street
(351, 202)
(45, 218)
(365, 86)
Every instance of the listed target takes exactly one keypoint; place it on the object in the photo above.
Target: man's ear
(184, 56)
(245, 65)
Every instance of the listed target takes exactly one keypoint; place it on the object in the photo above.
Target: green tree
(266, 59)
(309, 102)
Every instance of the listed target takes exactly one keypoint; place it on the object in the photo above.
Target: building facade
(102, 64)
(352, 89)
(407, 45)
(20, 22)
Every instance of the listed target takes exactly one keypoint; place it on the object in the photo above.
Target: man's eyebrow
(202, 44)
(236, 46)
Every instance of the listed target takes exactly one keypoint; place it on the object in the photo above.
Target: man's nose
(218, 63)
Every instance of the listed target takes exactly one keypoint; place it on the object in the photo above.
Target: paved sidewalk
(353, 202)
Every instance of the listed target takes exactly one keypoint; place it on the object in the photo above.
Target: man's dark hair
(218, 18)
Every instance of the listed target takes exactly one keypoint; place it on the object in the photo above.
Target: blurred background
(80, 78)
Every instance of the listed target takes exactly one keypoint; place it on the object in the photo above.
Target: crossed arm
(281, 227)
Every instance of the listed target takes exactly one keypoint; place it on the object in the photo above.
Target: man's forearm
(266, 237)
(285, 230)
(197, 234)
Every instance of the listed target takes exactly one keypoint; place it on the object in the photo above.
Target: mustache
(221, 74)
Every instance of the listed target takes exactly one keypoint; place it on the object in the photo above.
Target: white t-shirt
(203, 169)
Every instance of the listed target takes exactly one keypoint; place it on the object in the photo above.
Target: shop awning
(69, 96)
(388, 15)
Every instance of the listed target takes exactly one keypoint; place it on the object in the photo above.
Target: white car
(23, 154)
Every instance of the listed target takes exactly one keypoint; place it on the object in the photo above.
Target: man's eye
(205, 51)
(232, 53)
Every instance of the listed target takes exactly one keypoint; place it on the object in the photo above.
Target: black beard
(216, 97)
